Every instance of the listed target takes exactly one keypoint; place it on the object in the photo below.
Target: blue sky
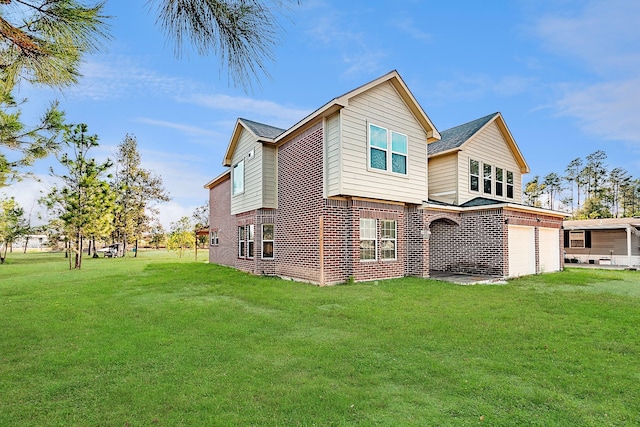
(563, 73)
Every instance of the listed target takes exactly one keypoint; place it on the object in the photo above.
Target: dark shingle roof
(262, 130)
(455, 137)
(480, 201)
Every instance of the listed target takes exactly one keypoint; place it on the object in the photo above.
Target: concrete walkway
(466, 279)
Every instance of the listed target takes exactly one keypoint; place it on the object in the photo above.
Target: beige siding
(332, 155)
(269, 177)
(488, 147)
(443, 184)
(381, 106)
(607, 243)
(252, 196)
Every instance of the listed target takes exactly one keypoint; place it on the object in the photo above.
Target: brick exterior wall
(476, 245)
(318, 240)
(300, 206)
(220, 220)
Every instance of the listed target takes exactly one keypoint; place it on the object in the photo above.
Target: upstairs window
(238, 178)
(509, 184)
(387, 150)
(474, 173)
(499, 182)
(487, 178)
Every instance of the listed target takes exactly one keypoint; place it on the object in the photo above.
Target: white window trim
(272, 240)
(513, 188)
(388, 150)
(490, 178)
(233, 178)
(251, 240)
(214, 238)
(394, 240)
(583, 239)
(242, 245)
(501, 182)
(476, 175)
(374, 239)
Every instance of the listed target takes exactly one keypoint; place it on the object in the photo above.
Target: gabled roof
(453, 139)
(266, 133)
(261, 130)
(400, 86)
(456, 136)
(262, 133)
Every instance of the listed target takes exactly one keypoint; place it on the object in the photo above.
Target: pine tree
(84, 201)
(137, 191)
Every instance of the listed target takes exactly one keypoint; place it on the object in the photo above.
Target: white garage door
(522, 250)
(549, 249)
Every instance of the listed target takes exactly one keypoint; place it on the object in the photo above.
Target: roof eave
(218, 179)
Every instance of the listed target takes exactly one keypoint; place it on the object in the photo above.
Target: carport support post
(629, 245)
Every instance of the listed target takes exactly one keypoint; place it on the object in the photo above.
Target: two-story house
(367, 188)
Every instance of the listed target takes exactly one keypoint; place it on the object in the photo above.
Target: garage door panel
(549, 251)
(522, 250)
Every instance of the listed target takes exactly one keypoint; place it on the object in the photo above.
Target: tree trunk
(136, 247)
(26, 243)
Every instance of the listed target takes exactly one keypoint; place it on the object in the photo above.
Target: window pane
(267, 249)
(474, 183)
(399, 163)
(487, 186)
(238, 178)
(498, 174)
(388, 229)
(474, 167)
(398, 143)
(367, 249)
(510, 191)
(250, 231)
(378, 137)
(378, 159)
(487, 171)
(367, 228)
(267, 232)
(498, 189)
(509, 177)
(388, 249)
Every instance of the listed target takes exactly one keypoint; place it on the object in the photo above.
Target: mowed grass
(159, 340)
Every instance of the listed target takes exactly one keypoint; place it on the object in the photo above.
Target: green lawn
(159, 340)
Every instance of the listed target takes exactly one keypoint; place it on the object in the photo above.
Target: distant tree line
(587, 189)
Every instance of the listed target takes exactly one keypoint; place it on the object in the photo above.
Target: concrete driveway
(466, 279)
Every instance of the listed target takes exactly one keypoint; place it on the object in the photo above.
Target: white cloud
(407, 25)
(186, 129)
(27, 193)
(608, 110)
(604, 37)
(278, 114)
(470, 87)
(109, 77)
